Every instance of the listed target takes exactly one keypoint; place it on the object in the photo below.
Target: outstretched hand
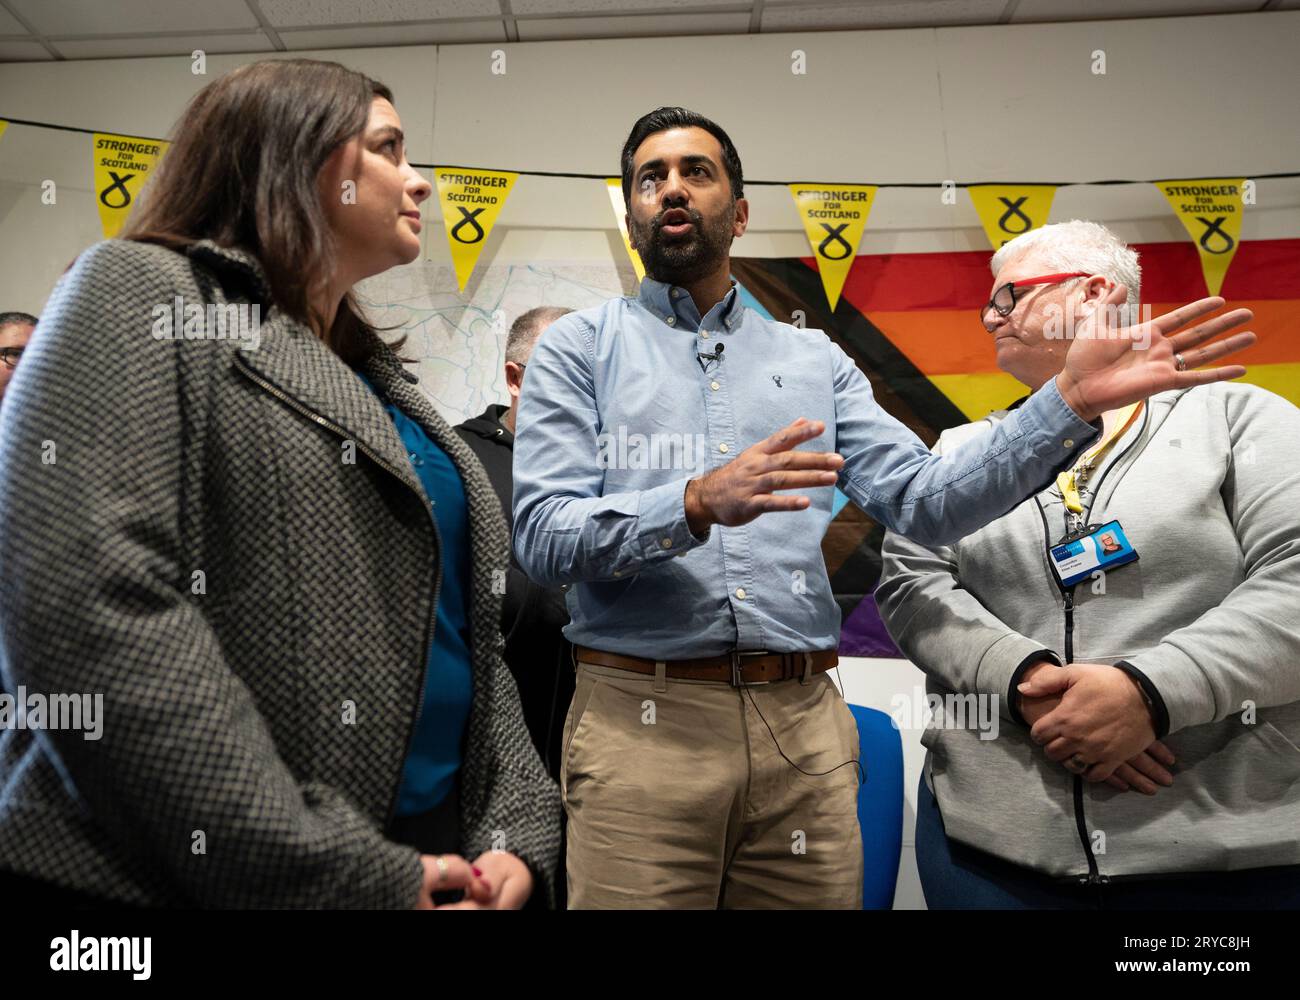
(1107, 367)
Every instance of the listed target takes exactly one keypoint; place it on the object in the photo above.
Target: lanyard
(1071, 482)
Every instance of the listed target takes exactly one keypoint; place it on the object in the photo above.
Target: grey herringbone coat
(181, 531)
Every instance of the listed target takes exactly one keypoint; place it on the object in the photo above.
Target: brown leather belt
(733, 667)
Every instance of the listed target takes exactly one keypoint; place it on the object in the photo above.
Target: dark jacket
(207, 553)
(532, 615)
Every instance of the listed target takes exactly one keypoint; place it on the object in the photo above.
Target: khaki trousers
(678, 797)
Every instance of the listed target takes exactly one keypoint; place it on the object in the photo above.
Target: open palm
(1106, 368)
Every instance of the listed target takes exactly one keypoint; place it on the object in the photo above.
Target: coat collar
(293, 361)
(235, 266)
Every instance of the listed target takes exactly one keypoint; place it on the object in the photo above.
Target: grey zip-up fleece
(1207, 486)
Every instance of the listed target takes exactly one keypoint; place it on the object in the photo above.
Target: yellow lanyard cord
(1069, 482)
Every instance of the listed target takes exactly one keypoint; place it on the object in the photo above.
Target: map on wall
(459, 341)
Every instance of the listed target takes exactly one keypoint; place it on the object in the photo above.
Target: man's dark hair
(21, 318)
(663, 119)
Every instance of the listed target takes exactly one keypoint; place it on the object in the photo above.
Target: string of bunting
(834, 215)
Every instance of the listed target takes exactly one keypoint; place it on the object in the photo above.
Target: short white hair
(1079, 245)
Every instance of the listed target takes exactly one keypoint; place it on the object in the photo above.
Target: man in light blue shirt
(692, 763)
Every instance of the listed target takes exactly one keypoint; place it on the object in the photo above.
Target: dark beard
(676, 261)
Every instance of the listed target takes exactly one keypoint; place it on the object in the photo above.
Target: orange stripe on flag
(939, 341)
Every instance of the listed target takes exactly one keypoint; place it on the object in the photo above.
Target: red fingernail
(477, 873)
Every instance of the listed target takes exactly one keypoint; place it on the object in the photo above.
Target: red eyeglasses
(1004, 299)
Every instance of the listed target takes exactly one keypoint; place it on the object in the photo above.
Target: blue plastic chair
(880, 806)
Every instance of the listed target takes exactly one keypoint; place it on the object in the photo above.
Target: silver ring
(1180, 363)
(442, 869)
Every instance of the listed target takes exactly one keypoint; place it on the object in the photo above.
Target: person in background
(260, 547)
(532, 615)
(1151, 752)
(15, 331)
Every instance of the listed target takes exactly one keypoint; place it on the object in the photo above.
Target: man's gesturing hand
(743, 488)
(1107, 367)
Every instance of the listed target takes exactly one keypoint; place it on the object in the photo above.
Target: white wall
(1181, 97)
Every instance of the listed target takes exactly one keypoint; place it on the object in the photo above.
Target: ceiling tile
(10, 25)
(123, 17)
(169, 45)
(23, 52)
(633, 26)
(451, 32)
(887, 14)
(304, 13)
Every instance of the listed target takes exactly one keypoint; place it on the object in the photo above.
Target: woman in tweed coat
(224, 539)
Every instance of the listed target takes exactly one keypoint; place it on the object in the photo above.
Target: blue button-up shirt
(619, 411)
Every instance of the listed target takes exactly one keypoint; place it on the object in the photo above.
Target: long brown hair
(241, 171)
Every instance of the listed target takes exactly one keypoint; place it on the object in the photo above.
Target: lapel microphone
(705, 359)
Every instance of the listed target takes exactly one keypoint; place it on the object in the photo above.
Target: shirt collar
(663, 300)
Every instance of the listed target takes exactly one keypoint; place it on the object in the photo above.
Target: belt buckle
(735, 655)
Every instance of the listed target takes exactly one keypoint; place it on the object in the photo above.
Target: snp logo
(93, 954)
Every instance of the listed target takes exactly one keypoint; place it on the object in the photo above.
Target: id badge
(1076, 557)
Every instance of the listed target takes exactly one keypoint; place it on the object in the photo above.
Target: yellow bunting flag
(1211, 210)
(122, 165)
(834, 216)
(615, 187)
(1007, 210)
(3, 125)
(470, 201)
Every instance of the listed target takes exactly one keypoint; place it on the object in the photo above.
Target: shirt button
(713, 386)
(704, 334)
(1068, 442)
(618, 572)
(723, 448)
(416, 460)
(740, 592)
(670, 320)
(666, 543)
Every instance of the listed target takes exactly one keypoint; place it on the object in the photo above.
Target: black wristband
(1159, 713)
